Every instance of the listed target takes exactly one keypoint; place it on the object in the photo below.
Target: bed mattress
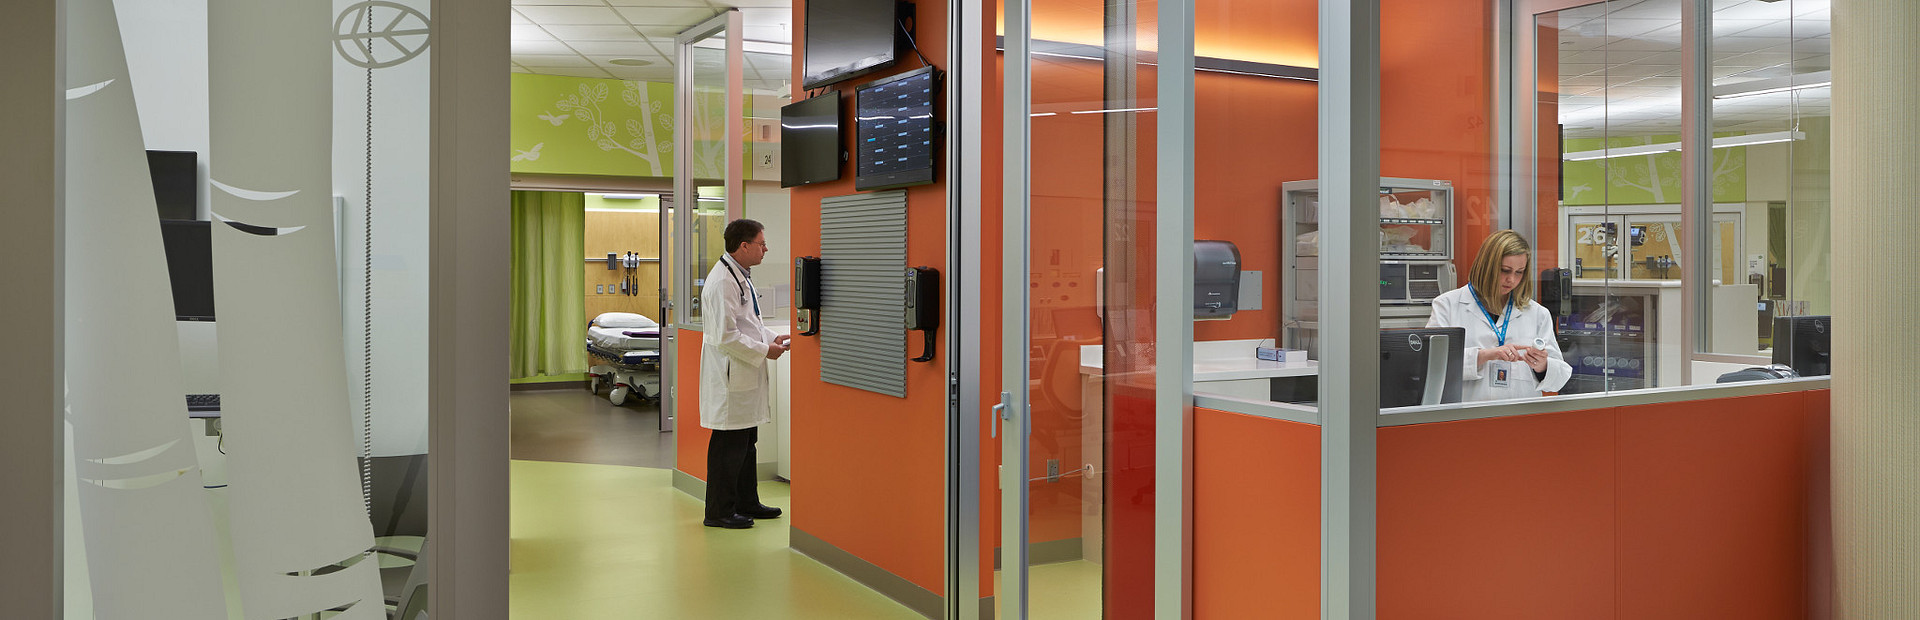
(616, 338)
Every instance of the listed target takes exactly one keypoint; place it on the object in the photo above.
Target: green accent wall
(569, 125)
(1645, 179)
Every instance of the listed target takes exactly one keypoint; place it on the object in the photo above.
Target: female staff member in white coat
(1511, 352)
(733, 378)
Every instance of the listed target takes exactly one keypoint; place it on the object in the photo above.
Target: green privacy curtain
(549, 302)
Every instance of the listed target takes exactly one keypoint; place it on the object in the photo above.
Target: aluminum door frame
(685, 198)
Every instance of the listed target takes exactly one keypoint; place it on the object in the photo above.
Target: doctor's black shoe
(732, 522)
(762, 511)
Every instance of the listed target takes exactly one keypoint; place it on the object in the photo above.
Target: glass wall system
(258, 172)
(707, 182)
(1332, 191)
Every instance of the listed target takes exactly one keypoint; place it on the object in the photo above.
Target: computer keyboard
(203, 402)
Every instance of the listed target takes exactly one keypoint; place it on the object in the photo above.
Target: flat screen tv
(848, 39)
(810, 147)
(895, 130)
(189, 247)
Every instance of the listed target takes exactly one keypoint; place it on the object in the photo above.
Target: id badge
(1500, 376)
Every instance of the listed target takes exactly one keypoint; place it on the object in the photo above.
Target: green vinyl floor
(606, 541)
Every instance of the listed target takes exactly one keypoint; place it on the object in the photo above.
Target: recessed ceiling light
(630, 62)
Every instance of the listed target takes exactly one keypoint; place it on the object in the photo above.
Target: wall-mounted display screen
(810, 146)
(849, 38)
(895, 130)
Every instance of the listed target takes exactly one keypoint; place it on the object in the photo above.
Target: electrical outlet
(1053, 470)
(599, 289)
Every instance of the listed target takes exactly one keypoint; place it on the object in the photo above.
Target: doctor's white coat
(1456, 308)
(734, 383)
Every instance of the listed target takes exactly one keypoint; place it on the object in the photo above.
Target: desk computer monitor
(1421, 366)
(1805, 343)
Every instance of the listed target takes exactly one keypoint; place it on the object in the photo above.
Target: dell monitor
(189, 247)
(849, 38)
(1421, 366)
(175, 179)
(810, 145)
(1805, 343)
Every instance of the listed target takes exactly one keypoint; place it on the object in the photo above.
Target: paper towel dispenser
(1216, 279)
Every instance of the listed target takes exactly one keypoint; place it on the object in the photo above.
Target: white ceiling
(1620, 65)
(579, 37)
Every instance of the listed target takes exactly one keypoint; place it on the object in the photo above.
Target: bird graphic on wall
(556, 120)
(531, 154)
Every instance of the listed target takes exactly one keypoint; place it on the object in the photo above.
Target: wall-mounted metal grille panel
(863, 265)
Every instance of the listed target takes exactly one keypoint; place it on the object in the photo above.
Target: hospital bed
(625, 349)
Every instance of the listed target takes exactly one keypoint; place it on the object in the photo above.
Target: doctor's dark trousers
(731, 469)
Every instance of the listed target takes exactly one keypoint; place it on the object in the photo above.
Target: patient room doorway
(585, 339)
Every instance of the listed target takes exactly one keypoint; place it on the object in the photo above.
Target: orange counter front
(1701, 509)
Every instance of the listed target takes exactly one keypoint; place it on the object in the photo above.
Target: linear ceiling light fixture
(1669, 147)
(1768, 86)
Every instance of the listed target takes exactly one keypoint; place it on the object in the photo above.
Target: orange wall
(689, 438)
(1256, 517)
(1711, 509)
(869, 470)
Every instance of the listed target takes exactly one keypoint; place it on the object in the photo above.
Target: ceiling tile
(520, 3)
(544, 61)
(670, 16)
(571, 34)
(763, 4)
(540, 47)
(656, 59)
(1755, 10)
(528, 32)
(517, 18)
(585, 72)
(619, 48)
(570, 15)
(646, 74)
(681, 4)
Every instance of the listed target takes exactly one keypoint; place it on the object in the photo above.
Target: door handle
(1000, 412)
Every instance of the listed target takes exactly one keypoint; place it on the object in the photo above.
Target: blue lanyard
(1499, 327)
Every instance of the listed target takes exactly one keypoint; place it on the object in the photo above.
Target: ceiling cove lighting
(1768, 86)
(1669, 147)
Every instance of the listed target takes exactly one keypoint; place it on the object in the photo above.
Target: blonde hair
(1485, 275)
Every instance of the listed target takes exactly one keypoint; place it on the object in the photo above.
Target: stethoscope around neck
(738, 282)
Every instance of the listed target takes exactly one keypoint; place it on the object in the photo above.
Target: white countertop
(1217, 360)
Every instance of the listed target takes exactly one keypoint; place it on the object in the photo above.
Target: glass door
(1078, 455)
(707, 175)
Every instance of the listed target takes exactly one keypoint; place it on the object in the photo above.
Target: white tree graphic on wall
(1653, 175)
(643, 137)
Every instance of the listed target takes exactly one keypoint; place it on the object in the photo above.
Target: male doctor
(733, 378)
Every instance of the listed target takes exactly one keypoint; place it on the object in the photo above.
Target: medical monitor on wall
(1421, 366)
(811, 150)
(189, 247)
(895, 130)
(849, 38)
(1805, 343)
